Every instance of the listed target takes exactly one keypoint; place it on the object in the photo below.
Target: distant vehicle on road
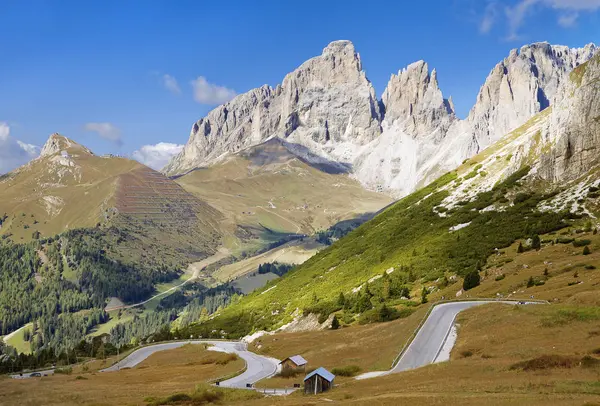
(35, 374)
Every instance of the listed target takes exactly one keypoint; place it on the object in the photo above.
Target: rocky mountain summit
(57, 143)
(522, 85)
(327, 101)
(327, 109)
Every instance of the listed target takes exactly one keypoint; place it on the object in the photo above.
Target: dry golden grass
(371, 347)
(162, 374)
(85, 190)
(498, 336)
(286, 196)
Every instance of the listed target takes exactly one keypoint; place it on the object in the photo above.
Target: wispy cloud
(14, 153)
(157, 156)
(569, 12)
(516, 15)
(209, 93)
(489, 17)
(170, 83)
(106, 131)
(568, 20)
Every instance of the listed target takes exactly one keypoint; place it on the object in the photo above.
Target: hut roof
(296, 359)
(321, 372)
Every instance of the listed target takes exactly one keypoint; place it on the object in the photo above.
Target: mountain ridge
(397, 143)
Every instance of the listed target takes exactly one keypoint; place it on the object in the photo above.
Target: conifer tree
(335, 323)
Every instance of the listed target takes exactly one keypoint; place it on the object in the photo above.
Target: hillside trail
(194, 269)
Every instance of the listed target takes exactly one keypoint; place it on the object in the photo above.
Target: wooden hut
(319, 380)
(295, 363)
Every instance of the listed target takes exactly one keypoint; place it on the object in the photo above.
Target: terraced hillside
(68, 187)
(267, 188)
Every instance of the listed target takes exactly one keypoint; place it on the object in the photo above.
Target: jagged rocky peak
(57, 143)
(327, 100)
(338, 63)
(414, 96)
(520, 86)
(328, 108)
(331, 98)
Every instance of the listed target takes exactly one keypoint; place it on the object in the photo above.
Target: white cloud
(157, 156)
(574, 4)
(4, 131)
(170, 83)
(568, 20)
(569, 12)
(14, 153)
(209, 93)
(489, 18)
(105, 130)
(30, 149)
(516, 15)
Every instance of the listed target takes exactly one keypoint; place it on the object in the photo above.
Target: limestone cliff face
(573, 129)
(520, 86)
(327, 109)
(414, 96)
(231, 127)
(328, 99)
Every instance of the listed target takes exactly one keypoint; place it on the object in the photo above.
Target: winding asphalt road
(428, 342)
(425, 348)
(257, 366)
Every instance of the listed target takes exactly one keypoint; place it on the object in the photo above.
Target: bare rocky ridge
(521, 86)
(327, 100)
(573, 129)
(327, 109)
(57, 143)
(413, 95)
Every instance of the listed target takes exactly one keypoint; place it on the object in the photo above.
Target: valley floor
(504, 354)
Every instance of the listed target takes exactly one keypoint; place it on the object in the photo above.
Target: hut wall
(323, 385)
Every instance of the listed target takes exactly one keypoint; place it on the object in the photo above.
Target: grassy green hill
(267, 191)
(446, 230)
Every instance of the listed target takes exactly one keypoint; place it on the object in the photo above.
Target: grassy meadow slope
(444, 231)
(54, 193)
(268, 188)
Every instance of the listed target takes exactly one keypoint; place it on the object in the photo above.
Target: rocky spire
(414, 96)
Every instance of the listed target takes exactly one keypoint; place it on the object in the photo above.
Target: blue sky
(120, 75)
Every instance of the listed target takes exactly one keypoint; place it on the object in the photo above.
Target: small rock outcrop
(57, 143)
